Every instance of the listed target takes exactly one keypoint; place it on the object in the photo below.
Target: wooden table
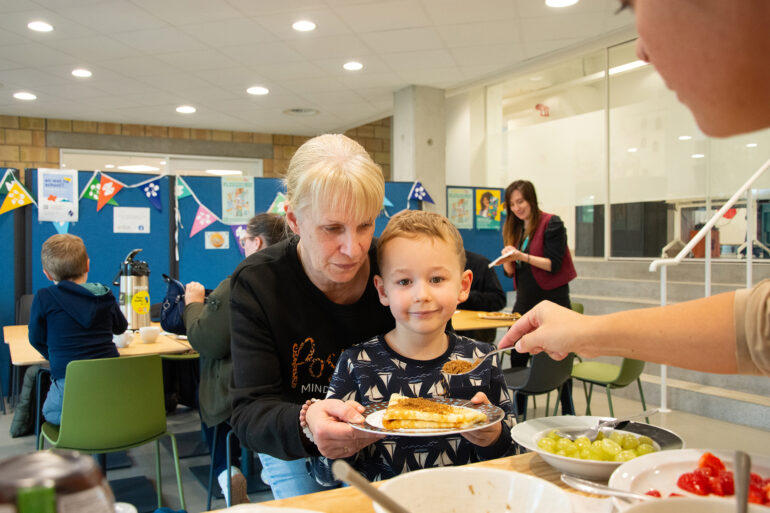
(350, 500)
(469, 320)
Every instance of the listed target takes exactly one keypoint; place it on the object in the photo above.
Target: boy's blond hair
(64, 257)
(412, 224)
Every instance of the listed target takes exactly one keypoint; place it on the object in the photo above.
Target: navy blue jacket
(74, 322)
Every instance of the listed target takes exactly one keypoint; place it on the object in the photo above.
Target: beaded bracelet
(303, 419)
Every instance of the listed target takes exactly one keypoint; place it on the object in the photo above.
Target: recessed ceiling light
(353, 66)
(632, 150)
(258, 90)
(301, 111)
(627, 67)
(39, 26)
(685, 137)
(109, 166)
(162, 162)
(138, 168)
(751, 145)
(224, 172)
(23, 95)
(81, 73)
(303, 26)
(186, 109)
(697, 155)
(560, 3)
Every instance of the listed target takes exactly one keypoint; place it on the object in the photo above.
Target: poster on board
(237, 199)
(217, 240)
(488, 208)
(57, 193)
(131, 219)
(460, 207)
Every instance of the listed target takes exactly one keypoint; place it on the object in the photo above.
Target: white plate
(528, 433)
(375, 411)
(661, 470)
(498, 316)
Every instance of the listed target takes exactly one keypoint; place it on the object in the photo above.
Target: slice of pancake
(421, 413)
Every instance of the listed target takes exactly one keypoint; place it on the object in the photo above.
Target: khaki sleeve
(752, 329)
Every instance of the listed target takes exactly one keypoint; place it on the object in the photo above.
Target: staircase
(611, 286)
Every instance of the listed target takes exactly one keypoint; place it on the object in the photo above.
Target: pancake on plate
(421, 413)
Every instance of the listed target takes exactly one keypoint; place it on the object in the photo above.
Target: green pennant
(8, 180)
(182, 190)
(92, 191)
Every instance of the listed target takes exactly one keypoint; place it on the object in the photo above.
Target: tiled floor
(698, 432)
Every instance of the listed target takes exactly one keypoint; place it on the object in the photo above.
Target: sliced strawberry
(694, 483)
(709, 460)
(722, 484)
(706, 471)
(755, 494)
(674, 494)
(756, 480)
(653, 493)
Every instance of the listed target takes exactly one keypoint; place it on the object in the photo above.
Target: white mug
(149, 334)
(123, 339)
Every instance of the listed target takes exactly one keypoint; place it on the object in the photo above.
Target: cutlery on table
(584, 485)
(606, 423)
(344, 472)
(742, 472)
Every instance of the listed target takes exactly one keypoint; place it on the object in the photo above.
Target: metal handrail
(664, 263)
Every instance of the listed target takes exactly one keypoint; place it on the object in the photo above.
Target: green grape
(629, 442)
(563, 443)
(596, 454)
(610, 447)
(600, 436)
(553, 436)
(617, 436)
(582, 442)
(625, 455)
(561, 452)
(547, 444)
(585, 453)
(644, 449)
(597, 444)
(645, 440)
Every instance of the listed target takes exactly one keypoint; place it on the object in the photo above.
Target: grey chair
(543, 375)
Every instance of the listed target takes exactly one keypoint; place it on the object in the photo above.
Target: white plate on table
(374, 412)
(661, 470)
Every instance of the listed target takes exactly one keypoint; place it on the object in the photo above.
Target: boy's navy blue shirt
(74, 322)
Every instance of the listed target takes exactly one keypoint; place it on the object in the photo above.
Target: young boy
(72, 319)
(421, 260)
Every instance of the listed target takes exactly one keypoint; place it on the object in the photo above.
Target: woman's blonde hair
(333, 169)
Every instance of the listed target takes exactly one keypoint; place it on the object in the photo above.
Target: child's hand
(488, 435)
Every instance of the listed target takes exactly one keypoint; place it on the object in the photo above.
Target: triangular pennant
(151, 191)
(108, 188)
(386, 202)
(61, 226)
(92, 191)
(203, 218)
(17, 197)
(279, 205)
(419, 193)
(239, 231)
(7, 182)
(182, 190)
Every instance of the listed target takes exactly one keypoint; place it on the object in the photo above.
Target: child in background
(421, 260)
(72, 319)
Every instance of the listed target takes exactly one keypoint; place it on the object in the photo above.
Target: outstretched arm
(698, 335)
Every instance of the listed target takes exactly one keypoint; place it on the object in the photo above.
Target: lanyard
(524, 245)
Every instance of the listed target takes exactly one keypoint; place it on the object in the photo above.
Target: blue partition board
(106, 249)
(7, 302)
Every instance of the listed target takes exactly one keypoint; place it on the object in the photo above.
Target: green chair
(111, 405)
(609, 376)
(578, 307)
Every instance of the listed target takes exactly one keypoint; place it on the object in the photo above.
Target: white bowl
(528, 433)
(474, 490)
(149, 334)
(123, 339)
(700, 504)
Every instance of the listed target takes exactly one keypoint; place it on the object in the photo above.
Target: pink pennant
(203, 218)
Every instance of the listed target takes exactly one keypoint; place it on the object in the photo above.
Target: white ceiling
(150, 56)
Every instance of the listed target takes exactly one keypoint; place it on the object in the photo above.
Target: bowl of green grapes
(591, 459)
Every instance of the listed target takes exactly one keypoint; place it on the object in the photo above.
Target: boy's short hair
(64, 257)
(411, 224)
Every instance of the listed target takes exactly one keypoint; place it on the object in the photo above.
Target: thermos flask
(134, 299)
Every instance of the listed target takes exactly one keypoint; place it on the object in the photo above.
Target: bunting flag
(386, 202)
(279, 205)
(7, 182)
(182, 189)
(239, 230)
(61, 227)
(92, 190)
(419, 193)
(17, 197)
(151, 190)
(203, 218)
(108, 187)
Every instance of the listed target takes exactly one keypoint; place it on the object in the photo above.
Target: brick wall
(23, 140)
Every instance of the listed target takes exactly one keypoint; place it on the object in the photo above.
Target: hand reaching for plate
(483, 437)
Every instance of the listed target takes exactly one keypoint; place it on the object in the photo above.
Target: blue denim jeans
(52, 404)
(288, 478)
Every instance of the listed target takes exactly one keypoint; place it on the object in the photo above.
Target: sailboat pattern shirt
(371, 371)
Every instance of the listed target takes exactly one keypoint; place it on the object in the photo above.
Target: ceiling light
(186, 109)
(224, 172)
(39, 26)
(560, 3)
(81, 73)
(23, 95)
(685, 137)
(138, 168)
(258, 90)
(633, 150)
(353, 66)
(697, 155)
(162, 162)
(109, 166)
(627, 67)
(751, 145)
(303, 26)
(301, 111)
